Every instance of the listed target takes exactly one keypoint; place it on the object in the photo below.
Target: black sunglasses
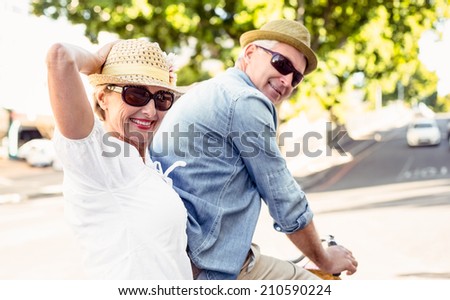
(140, 96)
(283, 65)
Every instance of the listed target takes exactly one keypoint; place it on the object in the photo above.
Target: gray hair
(269, 44)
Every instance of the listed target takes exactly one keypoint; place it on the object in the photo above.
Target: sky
(436, 56)
(25, 39)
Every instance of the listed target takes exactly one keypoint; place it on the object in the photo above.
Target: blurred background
(377, 175)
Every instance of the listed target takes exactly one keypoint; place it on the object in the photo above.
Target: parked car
(39, 153)
(423, 132)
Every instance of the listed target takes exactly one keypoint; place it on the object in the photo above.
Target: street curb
(351, 146)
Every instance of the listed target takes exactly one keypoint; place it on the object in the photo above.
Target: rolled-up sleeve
(255, 120)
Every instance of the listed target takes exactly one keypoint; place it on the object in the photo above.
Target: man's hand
(332, 260)
(341, 259)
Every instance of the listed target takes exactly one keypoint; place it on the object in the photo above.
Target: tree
(373, 40)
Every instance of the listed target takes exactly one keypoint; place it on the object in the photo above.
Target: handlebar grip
(332, 242)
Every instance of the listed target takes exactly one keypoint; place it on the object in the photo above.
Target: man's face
(266, 78)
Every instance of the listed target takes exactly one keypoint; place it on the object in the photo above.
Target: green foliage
(376, 40)
(443, 103)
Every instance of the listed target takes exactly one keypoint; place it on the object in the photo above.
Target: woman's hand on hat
(100, 58)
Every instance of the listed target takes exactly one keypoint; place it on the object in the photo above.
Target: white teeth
(143, 123)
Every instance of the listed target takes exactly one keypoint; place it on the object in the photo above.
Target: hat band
(123, 69)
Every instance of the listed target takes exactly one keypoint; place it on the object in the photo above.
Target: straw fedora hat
(138, 62)
(285, 31)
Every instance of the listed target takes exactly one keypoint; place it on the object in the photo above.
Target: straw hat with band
(289, 32)
(136, 62)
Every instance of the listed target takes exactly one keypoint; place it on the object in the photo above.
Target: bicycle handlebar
(332, 242)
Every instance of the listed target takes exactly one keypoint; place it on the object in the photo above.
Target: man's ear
(248, 52)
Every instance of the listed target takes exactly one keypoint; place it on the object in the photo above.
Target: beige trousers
(261, 267)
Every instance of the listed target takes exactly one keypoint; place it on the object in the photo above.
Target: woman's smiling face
(130, 123)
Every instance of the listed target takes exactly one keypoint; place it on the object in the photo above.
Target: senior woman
(130, 222)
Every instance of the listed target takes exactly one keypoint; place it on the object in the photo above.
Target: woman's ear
(100, 94)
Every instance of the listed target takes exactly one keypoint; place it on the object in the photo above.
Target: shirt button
(277, 228)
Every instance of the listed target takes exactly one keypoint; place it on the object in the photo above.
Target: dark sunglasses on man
(139, 96)
(283, 65)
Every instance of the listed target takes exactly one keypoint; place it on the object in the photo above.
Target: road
(391, 161)
(35, 241)
(19, 181)
(390, 205)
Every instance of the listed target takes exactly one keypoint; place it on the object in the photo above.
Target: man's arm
(332, 260)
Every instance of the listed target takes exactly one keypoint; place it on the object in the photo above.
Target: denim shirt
(224, 129)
